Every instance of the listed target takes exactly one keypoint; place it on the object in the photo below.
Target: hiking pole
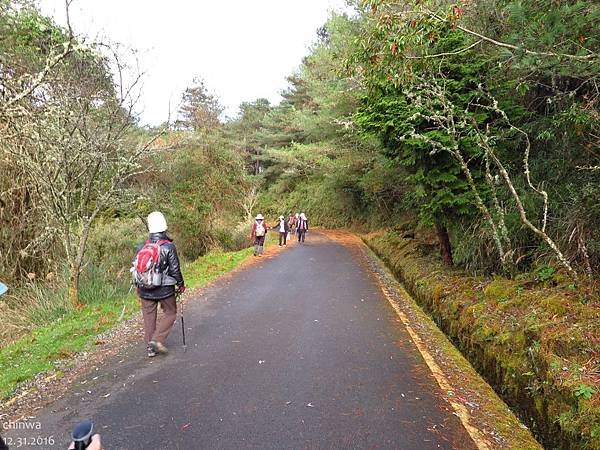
(125, 304)
(182, 323)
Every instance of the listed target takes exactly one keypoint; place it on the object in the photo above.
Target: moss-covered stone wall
(537, 343)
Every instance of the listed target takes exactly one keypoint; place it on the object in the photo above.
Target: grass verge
(47, 346)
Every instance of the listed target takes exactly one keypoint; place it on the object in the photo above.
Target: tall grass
(105, 304)
(37, 304)
(33, 304)
(97, 286)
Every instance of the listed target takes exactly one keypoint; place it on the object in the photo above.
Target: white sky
(243, 49)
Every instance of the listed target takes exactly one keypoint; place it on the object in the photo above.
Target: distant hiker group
(156, 272)
(294, 224)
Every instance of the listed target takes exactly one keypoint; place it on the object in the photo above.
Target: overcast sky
(243, 49)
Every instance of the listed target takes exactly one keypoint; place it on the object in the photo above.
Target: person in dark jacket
(302, 227)
(156, 332)
(284, 229)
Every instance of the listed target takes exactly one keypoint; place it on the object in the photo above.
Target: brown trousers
(154, 330)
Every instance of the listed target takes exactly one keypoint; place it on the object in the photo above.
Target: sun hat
(156, 222)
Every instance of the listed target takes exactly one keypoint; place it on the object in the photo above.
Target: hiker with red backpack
(157, 274)
(258, 234)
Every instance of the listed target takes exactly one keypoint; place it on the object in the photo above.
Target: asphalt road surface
(298, 351)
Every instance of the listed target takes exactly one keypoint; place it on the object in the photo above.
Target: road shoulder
(46, 387)
(489, 421)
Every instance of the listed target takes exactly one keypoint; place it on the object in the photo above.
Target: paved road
(299, 351)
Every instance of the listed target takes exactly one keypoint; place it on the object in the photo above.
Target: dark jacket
(169, 264)
(302, 225)
(278, 226)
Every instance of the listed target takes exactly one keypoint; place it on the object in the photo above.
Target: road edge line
(461, 411)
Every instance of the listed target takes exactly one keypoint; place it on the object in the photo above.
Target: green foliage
(584, 391)
(545, 273)
(44, 302)
(27, 35)
(201, 188)
(200, 109)
(547, 95)
(211, 265)
(112, 246)
(395, 114)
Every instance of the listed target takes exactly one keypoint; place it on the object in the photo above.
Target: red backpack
(145, 269)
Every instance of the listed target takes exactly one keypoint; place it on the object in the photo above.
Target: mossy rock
(556, 305)
(500, 290)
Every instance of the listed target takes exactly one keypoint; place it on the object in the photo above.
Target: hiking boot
(151, 349)
(161, 348)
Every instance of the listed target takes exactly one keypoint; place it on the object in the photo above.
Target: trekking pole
(182, 323)
(125, 304)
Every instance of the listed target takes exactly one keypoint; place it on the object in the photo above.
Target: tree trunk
(74, 286)
(75, 265)
(445, 246)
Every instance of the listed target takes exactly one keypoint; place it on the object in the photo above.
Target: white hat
(156, 222)
(259, 217)
(281, 217)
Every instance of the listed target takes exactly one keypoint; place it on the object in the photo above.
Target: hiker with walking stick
(157, 274)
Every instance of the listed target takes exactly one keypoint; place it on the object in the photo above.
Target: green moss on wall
(538, 345)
